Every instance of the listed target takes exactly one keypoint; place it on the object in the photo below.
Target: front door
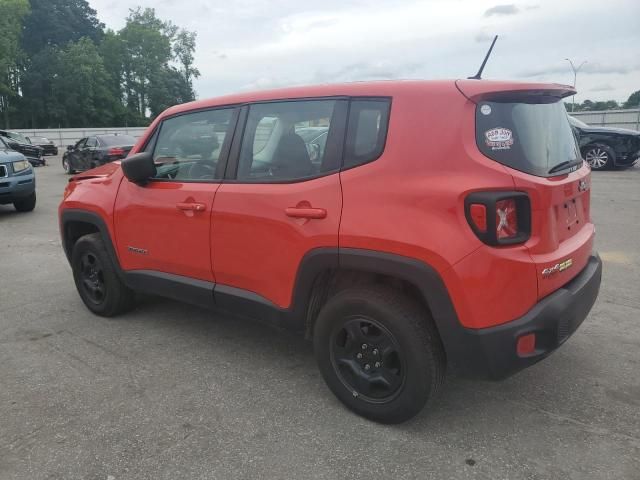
(164, 226)
(282, 198)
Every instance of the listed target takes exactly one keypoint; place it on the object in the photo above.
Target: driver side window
(188, 146)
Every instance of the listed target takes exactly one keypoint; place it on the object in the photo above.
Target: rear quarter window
(366, 131)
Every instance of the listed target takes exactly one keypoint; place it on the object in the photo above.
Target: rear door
(277, 205)
(532, 136)
(164, 225)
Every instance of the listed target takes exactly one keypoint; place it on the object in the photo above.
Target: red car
(443, 224)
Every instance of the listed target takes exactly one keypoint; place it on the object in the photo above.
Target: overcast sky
(253, 44)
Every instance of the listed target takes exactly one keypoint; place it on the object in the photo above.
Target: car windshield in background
(535, 138)
(18, 137)
(112, 140)
(39, 140)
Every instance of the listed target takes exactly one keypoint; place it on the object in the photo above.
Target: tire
(96, 278)
(599, 156)
(379, 353)
(26, 204)
(67, 166)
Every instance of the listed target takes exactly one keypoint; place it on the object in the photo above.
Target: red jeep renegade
(404, 226)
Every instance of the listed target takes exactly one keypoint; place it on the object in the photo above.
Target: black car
(606, 147)
(91, 152)
(48, 147)
(18, 142)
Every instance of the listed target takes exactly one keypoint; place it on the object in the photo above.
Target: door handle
(194, 207)
(305, 212)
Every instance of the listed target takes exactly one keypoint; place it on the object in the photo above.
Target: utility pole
(575, 76)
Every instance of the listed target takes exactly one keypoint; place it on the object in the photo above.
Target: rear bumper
(491, 352)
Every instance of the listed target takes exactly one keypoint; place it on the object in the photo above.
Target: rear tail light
(116, 152)
(499, 218)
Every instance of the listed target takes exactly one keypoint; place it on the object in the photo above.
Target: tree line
(60, 67)
(632, 102)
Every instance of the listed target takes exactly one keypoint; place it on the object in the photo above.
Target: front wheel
(379, 353)
(26, 204)
(67, 166)
(599, 157)
(96, 279)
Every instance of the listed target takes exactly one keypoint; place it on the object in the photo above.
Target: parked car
(18, 142)
(418, 242)
(17, 180)
(606, 147)
(90, 152)
(48, 147)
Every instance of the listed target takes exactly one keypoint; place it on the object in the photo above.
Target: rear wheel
(599, 156)
(379, 353)
(96, 279)
(26, 204)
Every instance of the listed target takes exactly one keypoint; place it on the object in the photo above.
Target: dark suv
(439, 224)
(18, 142)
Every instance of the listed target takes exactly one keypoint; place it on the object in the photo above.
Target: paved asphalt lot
(170, 391)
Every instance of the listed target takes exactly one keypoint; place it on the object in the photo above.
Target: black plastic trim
(176, 287)
(489, 200)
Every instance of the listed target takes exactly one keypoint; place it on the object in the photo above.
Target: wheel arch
(75, 223)
(330, 270)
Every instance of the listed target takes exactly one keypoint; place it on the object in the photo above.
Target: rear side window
(278, 145)
(366, 131)
(535, 138)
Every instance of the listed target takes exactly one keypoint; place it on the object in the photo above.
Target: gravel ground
(170, 391)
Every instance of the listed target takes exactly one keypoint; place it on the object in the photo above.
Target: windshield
(110, 140)
(530, 137)
(18, 137)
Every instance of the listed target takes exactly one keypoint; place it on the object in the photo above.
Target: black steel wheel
(92, 276)
(379, 352)
(367, 358)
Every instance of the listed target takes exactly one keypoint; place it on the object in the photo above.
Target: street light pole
(575, 76)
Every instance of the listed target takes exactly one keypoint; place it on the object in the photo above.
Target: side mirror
(69, 147)
(139, 168)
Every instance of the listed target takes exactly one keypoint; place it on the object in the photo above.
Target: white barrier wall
(68, 136)
(611, 118)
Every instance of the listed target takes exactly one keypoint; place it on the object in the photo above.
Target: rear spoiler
(479, 90)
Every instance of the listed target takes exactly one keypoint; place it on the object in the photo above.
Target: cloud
(509, 9)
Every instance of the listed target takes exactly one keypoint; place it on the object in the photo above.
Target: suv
(446, 225)
(17, 181)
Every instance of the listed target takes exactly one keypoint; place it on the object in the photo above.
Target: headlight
(21, 166)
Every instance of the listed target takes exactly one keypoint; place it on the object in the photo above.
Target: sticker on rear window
(485, 109)
(499, 138)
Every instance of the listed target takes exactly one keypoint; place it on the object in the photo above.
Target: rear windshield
(119, 140)
(530, 137)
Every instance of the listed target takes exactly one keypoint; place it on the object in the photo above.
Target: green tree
(58, 22)
(633, 101)
(11, 15)
(184, 48)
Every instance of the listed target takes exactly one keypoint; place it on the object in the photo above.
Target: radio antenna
(478, 76)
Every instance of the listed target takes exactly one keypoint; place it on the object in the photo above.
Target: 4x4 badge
(558, 267)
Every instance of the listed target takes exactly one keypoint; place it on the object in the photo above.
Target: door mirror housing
(69, 147)
(139, 168)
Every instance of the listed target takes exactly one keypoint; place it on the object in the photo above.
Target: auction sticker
(499, 138)
(485, 109)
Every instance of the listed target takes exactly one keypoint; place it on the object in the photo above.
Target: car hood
(7, 156)
(103, 171)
